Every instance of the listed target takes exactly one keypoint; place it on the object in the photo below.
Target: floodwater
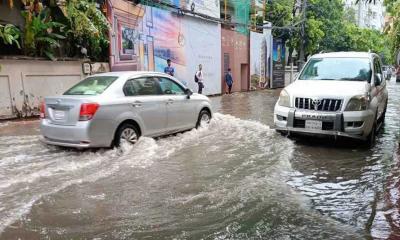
(235, 179)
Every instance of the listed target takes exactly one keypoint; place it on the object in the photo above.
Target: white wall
(23, 83)
(203, 46)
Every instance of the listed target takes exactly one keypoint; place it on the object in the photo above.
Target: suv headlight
(358, 103)
(284, 99)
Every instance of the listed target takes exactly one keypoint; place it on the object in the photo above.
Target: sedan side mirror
(188, 93)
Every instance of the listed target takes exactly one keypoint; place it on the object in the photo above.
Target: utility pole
(302, 35)
(225, 3)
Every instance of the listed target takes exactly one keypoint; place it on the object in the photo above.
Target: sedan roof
(130, 74)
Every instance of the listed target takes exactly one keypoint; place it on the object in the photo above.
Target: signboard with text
(278, 64)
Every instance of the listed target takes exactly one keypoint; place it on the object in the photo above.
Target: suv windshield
(91, 86)
(347, 69)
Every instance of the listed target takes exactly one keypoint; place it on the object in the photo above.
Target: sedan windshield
(346, 69)
(91, 86)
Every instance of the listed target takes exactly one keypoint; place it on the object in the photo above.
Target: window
(170, 87)
(346, 69)
(378, 69)
(142, 87)
(91, 86)
(377, 64)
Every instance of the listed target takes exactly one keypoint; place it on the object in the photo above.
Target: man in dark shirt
(229, 80)
(168, 69)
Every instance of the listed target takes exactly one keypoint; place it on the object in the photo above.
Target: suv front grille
(329, 105)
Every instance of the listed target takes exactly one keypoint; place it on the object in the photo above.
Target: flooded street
(235, 179)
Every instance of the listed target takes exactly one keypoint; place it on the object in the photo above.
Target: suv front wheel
(372, 136)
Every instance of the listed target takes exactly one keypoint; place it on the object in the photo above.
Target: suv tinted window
(170, 87)
(91, 86)
(141, 87)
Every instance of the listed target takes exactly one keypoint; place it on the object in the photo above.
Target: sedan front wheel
(204, 118)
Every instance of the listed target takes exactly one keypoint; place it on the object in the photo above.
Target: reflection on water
(235, 179)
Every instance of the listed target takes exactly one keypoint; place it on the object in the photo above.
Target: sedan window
(170, 87)
(91, 86)
(142, 87)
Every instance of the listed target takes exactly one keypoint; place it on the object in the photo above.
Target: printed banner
(260, 60)
(278, 76)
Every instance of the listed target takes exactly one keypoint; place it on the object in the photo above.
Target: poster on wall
(260, 60)
(128, 41)
(278, 76)
(187, 41)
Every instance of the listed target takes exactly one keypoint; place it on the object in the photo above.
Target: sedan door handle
(170, 101)
(137, 104)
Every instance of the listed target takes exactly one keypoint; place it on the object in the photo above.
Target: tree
(393, 30)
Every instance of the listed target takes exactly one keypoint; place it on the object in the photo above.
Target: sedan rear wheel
(126, 133)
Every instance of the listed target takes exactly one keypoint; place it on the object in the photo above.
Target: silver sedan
(105, 109)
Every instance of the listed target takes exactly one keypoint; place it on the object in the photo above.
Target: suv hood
(327, 88)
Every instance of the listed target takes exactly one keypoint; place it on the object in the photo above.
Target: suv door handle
(170, 101)
(137, 104)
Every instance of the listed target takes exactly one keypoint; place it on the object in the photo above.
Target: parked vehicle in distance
(105, 109)
(387, 72)
(398, 74)
(338, 94)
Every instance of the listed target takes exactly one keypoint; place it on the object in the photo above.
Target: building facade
(366, 15)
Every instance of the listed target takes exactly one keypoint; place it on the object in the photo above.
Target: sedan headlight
(284, 99)
(358, 103)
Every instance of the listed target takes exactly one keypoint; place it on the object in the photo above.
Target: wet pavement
(235, 179)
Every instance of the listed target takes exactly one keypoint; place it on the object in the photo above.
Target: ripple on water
(233, 158)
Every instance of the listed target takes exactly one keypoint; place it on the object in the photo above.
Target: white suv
(339, 94)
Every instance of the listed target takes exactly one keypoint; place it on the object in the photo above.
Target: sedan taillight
(42, 110)
(87, 111)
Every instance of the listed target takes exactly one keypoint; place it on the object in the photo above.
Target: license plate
(313, 124)
(59, 115)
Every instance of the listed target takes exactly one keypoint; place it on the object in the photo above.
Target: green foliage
(329, 27)
(279, 13)
(87, 27)
(10, 34)
(314, 35)
(393, 8)
(41, 35)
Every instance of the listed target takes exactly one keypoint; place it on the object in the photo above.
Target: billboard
(278, 76)
(260, 59)
(207, 7)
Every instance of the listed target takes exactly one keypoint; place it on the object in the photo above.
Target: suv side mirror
(377, 79)
(188, 93)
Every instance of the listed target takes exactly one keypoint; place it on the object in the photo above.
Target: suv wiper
(353, 79)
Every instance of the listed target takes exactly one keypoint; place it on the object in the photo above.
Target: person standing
(229, 80)
(199, 78)
(168, 69)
